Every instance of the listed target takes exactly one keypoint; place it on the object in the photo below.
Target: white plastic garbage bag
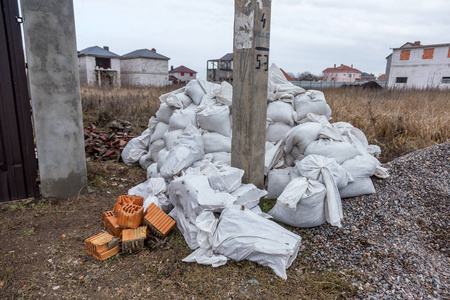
(329, 172)
(242, 234)
(215, 119)
(301, 204)
(340, 151)
(224, 157)
(187, 149)
(136, 147)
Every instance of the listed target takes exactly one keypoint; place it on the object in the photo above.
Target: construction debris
(102, 145)
(127, 230)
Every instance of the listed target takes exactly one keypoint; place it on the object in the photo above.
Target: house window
(190, 74)
(401, 79)
(428, 53)
(404, 55)
(102, 62)
(182, 74)
(349, 75)
(446, 79)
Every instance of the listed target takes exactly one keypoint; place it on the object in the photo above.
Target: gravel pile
(396, 241)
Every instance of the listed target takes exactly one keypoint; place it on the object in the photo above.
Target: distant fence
(330, 84)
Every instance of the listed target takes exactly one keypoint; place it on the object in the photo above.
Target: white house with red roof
(181, 74)
(342, 73)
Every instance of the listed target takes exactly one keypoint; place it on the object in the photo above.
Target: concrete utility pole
(250, 74)
(49, 30)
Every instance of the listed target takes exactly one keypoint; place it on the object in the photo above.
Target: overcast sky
(306, 35)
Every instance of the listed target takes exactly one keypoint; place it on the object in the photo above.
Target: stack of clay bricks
(128, 226)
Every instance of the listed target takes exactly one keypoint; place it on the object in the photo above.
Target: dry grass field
(399, 121)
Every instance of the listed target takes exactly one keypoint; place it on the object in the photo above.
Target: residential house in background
(218, 70)
(419, 66)
(367, 77)
(342, 73)
(99, 66)
(181, 74)
(144, 67)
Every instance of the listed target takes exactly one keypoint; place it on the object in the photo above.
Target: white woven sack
(311, 102)
(164, 113)
(276, 132)
(340, 151)
(171, 136)
(277, 180)
(301, 136)
(195, 91)
(155, 148)
(136, 147)
(281, 112)
(180, 100)
(181, 118)
(160, 129)
(216, 142)
(215, 119)
(301, 204)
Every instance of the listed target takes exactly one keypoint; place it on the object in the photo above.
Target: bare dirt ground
(42, 255)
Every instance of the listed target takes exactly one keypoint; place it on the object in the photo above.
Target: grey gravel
(395, 242)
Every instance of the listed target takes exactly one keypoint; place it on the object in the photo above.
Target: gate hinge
(19, 20)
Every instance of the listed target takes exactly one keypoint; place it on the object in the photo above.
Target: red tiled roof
(289, 78)
(182, 69)
(171, 77)
(342, 68)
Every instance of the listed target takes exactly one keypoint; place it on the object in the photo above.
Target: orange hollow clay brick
(130, 216)
(158, 221)
(133, 239)
(112, 225)
(101, 246)
(128, 199)
(106, 214)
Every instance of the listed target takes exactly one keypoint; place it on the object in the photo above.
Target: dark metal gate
(18, 163)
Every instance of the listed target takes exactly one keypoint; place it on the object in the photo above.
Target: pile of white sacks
(309, 165)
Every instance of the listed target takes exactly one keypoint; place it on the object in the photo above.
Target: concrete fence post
(250, 75)
(49, 30)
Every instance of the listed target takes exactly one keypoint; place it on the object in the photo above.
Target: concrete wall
(420, 73)
(49, 31)
(115, 65)
(185, 77)
(144, 72)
